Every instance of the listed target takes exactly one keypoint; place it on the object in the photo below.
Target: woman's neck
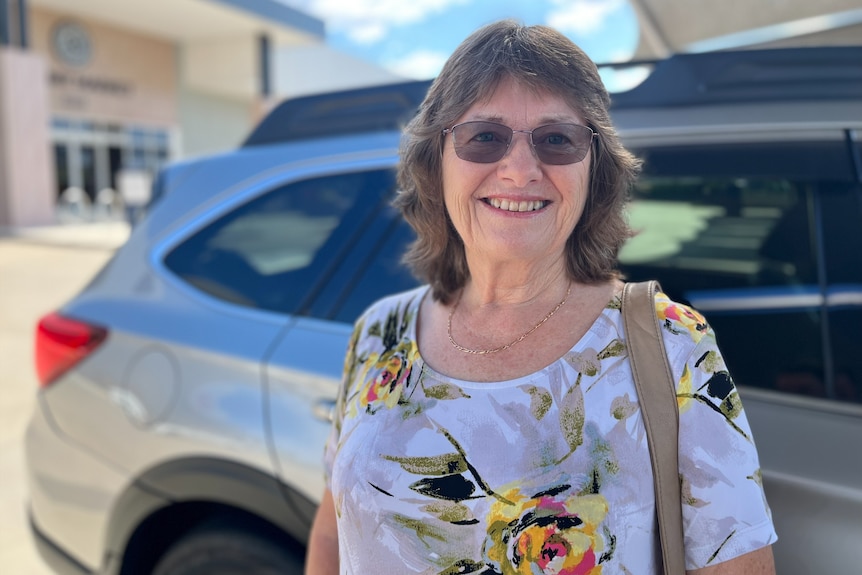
(514, 282)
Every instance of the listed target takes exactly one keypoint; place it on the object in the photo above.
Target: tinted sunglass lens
(481, 142)
(560, 144)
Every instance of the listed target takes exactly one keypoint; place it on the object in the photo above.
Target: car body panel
(303, 383)
(71, 491)
(811, 462)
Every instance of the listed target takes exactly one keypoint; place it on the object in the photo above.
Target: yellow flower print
(683, 391)
(549, 533)
(385, 375)
(677, 317)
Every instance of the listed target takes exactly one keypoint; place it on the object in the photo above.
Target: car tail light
(62, 342)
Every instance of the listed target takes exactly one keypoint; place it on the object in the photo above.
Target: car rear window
(273, 252)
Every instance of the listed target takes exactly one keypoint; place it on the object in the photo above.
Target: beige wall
(130, 78)
(26, 166)
(212, 123)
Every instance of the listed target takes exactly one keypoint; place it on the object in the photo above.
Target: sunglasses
(488, 142)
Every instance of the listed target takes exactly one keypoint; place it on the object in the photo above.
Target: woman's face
(480, 198)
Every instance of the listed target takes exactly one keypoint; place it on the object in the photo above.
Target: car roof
(750, 76)
(363, 110)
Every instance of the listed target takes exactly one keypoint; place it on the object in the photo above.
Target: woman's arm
(322, 556)
(759, 562)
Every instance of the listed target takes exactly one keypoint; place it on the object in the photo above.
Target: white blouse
(543, 474)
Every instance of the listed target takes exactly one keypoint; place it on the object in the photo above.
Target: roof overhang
(684, 26)
(186, 21)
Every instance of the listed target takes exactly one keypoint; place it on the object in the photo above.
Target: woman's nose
(520, 164)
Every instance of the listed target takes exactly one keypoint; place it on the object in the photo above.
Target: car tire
(220, 549)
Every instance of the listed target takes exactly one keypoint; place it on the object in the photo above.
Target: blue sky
(414, 37)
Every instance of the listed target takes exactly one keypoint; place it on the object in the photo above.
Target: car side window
(383, 275)
(272, 252)
(737, 239)
(718, 233)
(842, 222)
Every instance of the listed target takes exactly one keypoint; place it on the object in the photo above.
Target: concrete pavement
(40, 268)
(106, 235)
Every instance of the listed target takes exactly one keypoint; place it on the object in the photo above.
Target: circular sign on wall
(72, 44)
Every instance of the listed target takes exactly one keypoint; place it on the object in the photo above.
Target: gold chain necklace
(502, 347)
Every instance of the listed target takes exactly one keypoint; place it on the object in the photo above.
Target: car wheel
(219, 549)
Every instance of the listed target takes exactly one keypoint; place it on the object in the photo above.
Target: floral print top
(543, 474)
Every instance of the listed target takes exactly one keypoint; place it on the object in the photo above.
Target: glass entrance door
(89, 156)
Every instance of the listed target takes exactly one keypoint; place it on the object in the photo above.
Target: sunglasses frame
(511, 138)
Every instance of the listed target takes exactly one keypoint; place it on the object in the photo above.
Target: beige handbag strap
(657, 397)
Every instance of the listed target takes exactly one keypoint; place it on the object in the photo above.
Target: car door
(303, 368)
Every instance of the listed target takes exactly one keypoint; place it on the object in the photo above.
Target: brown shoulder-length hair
(543, 60)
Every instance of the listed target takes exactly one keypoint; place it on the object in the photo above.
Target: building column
(13, 23)
(263, 101)
(26, 166)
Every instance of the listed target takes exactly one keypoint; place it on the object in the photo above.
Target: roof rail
(811, 73)
(379, 108)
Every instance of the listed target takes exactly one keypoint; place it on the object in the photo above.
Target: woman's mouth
(516, 206)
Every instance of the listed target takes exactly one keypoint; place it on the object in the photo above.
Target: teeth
(512, 206)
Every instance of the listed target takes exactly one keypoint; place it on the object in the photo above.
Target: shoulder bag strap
(657, 398)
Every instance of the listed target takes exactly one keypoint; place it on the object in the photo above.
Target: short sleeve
(725, 513)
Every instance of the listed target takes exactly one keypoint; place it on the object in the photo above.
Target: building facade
(97, 95)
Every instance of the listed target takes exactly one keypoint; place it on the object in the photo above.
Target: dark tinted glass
(381, 275)
(732, 231)
(844, 322)
(61, 167)
(842, 233)
(275, 251)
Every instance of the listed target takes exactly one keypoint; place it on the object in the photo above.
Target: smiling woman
(489, 421)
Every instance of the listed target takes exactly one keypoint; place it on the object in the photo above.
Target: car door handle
(324, 410)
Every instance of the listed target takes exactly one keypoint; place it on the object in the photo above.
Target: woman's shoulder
(679, 319)
(401, 305)
(400, 300)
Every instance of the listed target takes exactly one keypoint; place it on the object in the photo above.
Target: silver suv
(186, 391)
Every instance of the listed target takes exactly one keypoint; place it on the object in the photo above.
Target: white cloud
(621, 55)
(421, 65)
(620, 80)
(368, 21)
(367, 33)
(581, 16)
